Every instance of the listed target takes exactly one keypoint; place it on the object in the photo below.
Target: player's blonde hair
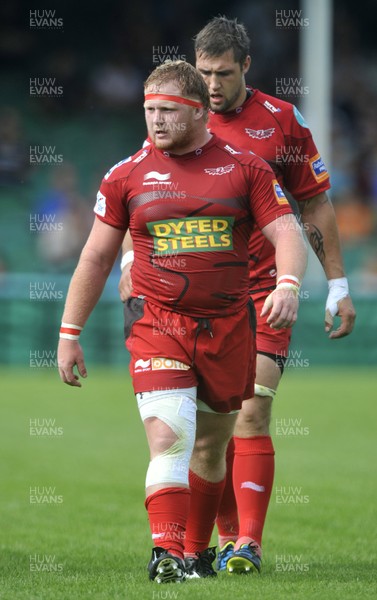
(187, 78)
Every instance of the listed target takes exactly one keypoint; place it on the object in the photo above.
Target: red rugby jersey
(190, 218)
(277, 132)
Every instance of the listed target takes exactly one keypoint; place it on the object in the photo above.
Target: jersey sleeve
(267, 199)
(111, 204)
(305, 174)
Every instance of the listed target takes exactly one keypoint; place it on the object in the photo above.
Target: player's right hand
(282, 307)
(125, 283)
(70, 354)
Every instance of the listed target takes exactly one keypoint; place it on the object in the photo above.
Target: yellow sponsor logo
(203, 234)
(162, 364)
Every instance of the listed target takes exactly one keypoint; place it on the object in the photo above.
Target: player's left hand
(347, 315)
(282, 306)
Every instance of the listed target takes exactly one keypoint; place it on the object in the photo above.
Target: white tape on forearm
(126, 258)
(338, 289)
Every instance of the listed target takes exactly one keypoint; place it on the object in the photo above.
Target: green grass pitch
(73, 523)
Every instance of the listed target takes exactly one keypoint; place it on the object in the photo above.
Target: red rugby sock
(253, 476)
(168, 511)
(227, 518)
(205, 499)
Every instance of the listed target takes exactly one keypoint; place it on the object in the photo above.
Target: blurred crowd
(100, 58)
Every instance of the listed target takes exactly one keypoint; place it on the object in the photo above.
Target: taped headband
(172, 98)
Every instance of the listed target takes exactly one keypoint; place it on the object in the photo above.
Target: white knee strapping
(262, 390)
(203, 407)
(176, 408)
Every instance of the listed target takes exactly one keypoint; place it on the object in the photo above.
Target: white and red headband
(174, 98)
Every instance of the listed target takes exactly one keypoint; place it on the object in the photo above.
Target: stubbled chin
(217, 107)
(163, 145)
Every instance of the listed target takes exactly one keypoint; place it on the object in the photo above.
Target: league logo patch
(271, 107)
(220, 170)
(141, 157)
(318, 168)
(260, 134)
(100, 207)
(231, 150)
(279, 194)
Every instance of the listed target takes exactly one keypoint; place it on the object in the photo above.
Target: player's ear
(198, 113)
(246, 64)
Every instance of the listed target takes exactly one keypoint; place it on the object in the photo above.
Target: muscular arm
(92, 271)
(291, 254)
(318, 218)
(87, 283)
(291, 258)
(320, 225)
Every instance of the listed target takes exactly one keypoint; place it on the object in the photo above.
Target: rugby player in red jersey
(276, 131)
(189, 327)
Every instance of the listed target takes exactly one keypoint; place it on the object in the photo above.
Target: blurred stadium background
(71, 107)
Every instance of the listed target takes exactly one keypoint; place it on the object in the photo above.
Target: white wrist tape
(288, 282)
(126, 258)
(285, 282)
(292, 279)
(68, 331)
(338, 289)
